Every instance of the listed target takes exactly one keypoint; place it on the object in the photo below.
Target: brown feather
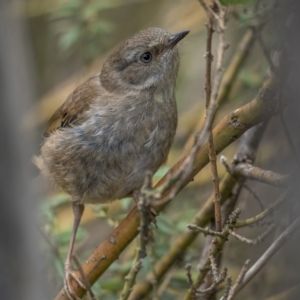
(70, 112)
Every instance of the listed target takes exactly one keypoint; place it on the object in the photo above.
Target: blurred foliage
(80, 25)
(237, 2)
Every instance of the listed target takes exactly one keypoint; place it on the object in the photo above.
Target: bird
(114, 128)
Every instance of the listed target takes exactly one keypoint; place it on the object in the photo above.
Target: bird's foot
(71, 274)
(153, 213)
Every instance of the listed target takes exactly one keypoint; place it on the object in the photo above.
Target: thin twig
(227, 289)
(212, 152)
(212, 93)
(216, 249)
(276, 245)
(255, 241)
(206, 231)
(258, 174)
(188, 268)
(144, 208)
(251, 221)
(151, 251)
(239, 280)
(255, 196)
(230, 75)
(217, 278)
(223, 160)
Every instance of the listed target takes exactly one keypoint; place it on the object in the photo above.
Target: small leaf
(69, 38)
(164, 226)
(252, 79)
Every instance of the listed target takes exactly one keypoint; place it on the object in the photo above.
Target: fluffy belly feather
(94, 168)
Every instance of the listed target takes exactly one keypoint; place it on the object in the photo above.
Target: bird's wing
(71, 111)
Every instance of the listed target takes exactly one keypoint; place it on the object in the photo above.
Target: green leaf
(69, 38)
(164, 226)
(252, 79)
(161, 172)
(179, 281)
(112, 284)
(59, 268)
(121, 267)
(56, 200)
(125, 203)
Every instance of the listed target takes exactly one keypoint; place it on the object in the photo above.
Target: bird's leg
(69, 272)
(153, 212)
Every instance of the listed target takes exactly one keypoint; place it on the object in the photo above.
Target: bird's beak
(175, 38)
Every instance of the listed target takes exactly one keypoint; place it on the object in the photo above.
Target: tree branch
(251, 172)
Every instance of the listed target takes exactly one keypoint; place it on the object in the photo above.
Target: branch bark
(251, 172)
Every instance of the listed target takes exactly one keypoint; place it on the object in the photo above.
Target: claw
(71, 274)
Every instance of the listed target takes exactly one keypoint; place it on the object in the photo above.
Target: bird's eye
(146, 57)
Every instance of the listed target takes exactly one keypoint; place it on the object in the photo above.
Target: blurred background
(66, 42)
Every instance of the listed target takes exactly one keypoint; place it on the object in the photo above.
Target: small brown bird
(114, 127)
